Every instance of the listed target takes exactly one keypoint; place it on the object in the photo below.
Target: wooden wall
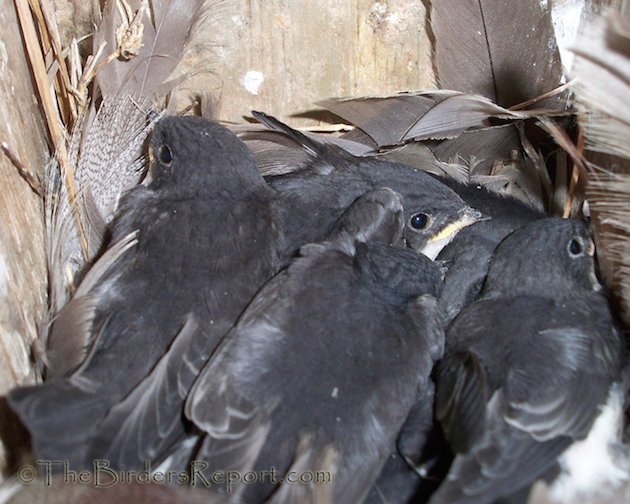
(22, 263)
(282, 56)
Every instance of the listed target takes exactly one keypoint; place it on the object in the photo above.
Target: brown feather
(71, 333)
(485, 146)
(505, 50)
(167, 26)
(425, 115)
(105, 153)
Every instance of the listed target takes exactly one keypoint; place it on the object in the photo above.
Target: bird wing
(540, 409)
(502, 461)
(235, 429)
(425, 314)
(72, 331)
(462, 393)
(561, 400)
(467, 256)
(275, 153)
(106, 261)
(376, 216)
(413, 434)
(234, 426)
(314, 147)
(322, 155)
(309, 460)
(147, 423)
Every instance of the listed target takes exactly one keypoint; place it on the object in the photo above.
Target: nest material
(80, 95)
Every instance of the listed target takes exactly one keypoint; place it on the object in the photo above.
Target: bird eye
(166, 156)
(575, 247)
(419, 221)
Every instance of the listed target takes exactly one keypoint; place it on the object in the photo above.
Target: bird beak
(466, 217)
(469, 216)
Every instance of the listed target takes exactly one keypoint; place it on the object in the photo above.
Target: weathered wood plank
(22, 263)
(281, 56)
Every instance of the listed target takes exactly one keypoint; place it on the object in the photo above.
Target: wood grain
(311, 50)
(22, 264)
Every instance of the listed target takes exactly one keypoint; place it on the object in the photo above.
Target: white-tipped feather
(589, 467)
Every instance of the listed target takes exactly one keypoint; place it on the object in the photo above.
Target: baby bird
(527, 366)
(328, 358)
(206, 238)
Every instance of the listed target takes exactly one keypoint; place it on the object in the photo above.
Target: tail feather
(316, 148)
(60, 417)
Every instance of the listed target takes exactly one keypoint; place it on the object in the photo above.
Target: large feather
(105, 147)
(609, 199)
(505, 50)
(277, 153)
(104, 153)
(453, 128)
(480, 149)
(166, 28)
(425, 115)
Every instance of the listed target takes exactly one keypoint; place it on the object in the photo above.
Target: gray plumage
(147, 425)
(195, 223)
(331, 178)
(404, 477)
(527, 365)
(312, 356)
(196, 228)
(468, 256)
